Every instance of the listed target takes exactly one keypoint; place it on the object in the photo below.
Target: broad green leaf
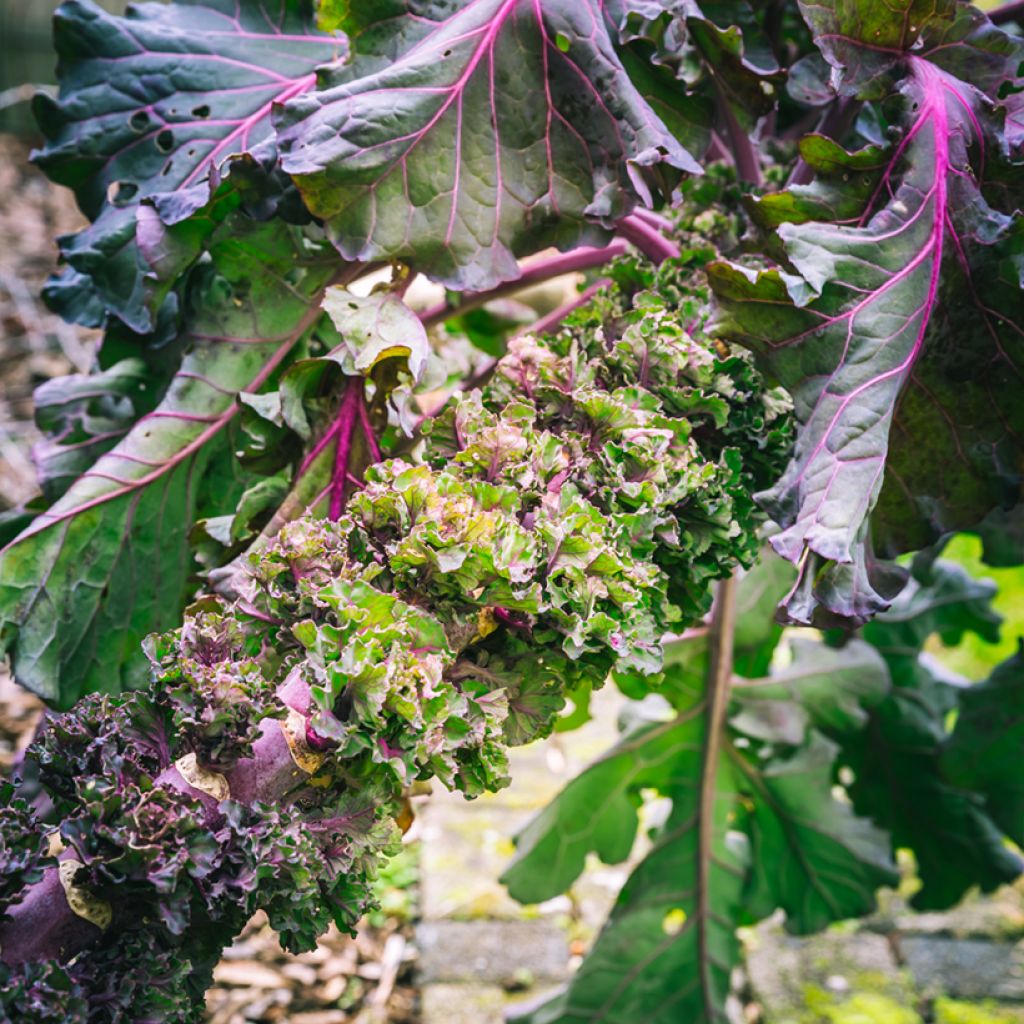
(823, 687)
(941, 599)
(897, 330)
(668, 949)
(109, 562)
(810, 854)
(757, 633)
(984, 753)
(1002, 535)
(595, 813)
(897, 761)
(152, 107)
(376, 328)
(460, 138)
(85, 415)
(899, 783)
(755, 639)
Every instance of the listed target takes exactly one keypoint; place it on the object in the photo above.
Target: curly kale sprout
(549, 531)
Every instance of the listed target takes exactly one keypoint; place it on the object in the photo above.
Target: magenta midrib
(308, 319)
(933, 85)
(488, 37)
(296, 87)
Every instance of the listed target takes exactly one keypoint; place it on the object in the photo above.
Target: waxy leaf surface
(901, 338)
(152, 106)
(460, 138)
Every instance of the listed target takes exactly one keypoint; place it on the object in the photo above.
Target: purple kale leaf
(460, 139)
(153, 107)
(898, 328)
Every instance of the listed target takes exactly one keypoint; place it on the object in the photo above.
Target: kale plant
(304, 540)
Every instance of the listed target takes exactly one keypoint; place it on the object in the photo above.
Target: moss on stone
(953, 1011)
(862, 1007)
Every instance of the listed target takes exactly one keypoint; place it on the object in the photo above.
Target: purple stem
(653, 244)
(1008, 12)
(836, 123)
(348, 419)
(656, 220)
(551, 320)
(368, 433)
(717, 149)
(541, 269)
(748, 167)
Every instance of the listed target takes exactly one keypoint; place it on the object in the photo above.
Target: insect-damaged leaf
(108, 562)
(459, 139)
(151, 108)
(900, 336)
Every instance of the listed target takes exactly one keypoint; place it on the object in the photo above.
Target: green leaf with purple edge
(907, 395)
(152, 108)
(458, 140)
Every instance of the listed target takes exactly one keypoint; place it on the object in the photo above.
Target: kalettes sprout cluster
(546, 533)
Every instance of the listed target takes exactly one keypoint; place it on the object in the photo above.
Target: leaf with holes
(152, 107)
(109, 562)
(458, 139)
(900, 334)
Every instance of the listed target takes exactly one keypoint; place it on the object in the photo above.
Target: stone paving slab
(998, 915)
(801, 980)
(508, 953)
(965, 968)
(445, 1003)
(466, 846)
(463, 1004)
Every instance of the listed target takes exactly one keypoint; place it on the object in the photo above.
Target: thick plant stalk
(534, 271)
(439, 620)
(721, 638)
